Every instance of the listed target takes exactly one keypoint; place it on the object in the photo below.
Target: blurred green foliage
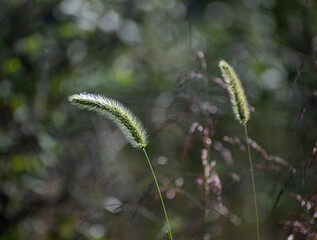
(68, 174)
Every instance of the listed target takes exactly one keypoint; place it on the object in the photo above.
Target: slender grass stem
(253, 184)
(205, 215)
(159, 192)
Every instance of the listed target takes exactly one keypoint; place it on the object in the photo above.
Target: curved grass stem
(159, 192)
(253, 184)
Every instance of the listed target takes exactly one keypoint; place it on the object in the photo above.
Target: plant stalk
(205, 216)
(159, 192)
(253, 184)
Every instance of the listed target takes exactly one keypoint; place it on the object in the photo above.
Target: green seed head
(129, 124)
(237, 95)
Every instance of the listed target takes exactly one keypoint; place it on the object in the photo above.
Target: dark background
(70, 174)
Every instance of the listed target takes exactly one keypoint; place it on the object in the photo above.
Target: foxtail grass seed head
(129, 124)
(237, 96)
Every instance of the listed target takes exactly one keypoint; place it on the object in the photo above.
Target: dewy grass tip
(129, 124)
(236, 91)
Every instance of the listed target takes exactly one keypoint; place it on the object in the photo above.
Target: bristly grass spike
(237, 96)
(129, 124)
